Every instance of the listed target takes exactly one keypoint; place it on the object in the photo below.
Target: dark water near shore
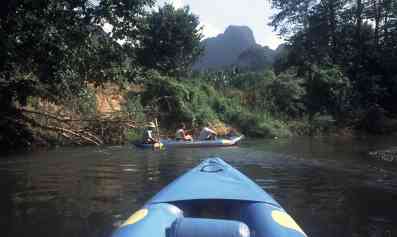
(331, 187)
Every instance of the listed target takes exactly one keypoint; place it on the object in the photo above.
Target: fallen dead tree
(102, 129)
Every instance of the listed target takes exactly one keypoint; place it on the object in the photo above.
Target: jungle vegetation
(338, 67)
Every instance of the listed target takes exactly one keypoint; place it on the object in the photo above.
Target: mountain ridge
(235, 47)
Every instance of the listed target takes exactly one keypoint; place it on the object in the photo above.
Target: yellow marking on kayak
(226, 142)
(137, 216)
(158, 145)
(286, 220)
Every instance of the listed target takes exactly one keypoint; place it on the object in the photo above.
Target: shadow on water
(330, 187)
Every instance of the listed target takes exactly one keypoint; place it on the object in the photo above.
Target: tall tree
(357, 35)
(45, 42)
(170, 42)
(52, 48)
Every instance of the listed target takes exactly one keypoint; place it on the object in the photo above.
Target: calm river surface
(330, 186)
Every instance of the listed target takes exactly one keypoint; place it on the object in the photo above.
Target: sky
(217, 15)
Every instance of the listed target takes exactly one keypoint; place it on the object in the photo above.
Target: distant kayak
(211, 200)
(191, 144)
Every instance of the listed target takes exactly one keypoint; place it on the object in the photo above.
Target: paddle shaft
(158, 130)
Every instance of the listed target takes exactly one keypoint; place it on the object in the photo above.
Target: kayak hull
(196, 144)
(213, 199)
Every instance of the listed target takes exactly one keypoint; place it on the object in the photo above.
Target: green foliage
(340, 60)
(170, 43)
(328, 90)
(356, 38)
(256, 124)
(86, 101)
(284, 95)
(178, 101)
(52, 48)
(256, 58)
(134, 135)
(196, 102)
(134, 106)
(280, 95)
(314, 126)
(168, 96)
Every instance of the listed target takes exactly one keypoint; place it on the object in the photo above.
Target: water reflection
(330, 187)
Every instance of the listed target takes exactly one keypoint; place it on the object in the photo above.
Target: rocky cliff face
(235, 48)
(223, 51)
(256, 58)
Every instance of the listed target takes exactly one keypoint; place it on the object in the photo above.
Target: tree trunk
(358, 41)
(332, 31)
(377, 17)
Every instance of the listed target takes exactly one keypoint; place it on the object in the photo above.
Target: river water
(330, 186)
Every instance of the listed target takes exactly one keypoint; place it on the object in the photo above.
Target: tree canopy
(52, 47)
(359, 36)
(170, 42)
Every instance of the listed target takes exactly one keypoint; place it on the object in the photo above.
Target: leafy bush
(327, 90)
(134, 135)
(285, 95)
(86, 102)
(134, 107)
(167, 96)
(280, 95)
(246, 105)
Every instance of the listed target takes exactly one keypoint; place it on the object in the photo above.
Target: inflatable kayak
(211, 200)
(191, 144)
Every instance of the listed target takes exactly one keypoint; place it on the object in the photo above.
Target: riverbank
(46, 130)
(114, 113)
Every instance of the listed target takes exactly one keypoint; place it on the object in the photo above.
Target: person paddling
(207, 133)
(181, 135)
(148, 135)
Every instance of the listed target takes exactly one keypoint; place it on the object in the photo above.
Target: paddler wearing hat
(181, 135)
(148, 135)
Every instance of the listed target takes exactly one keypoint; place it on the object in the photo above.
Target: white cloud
(210, 30)
(271, 40)
(176, 3)
(107, 27)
